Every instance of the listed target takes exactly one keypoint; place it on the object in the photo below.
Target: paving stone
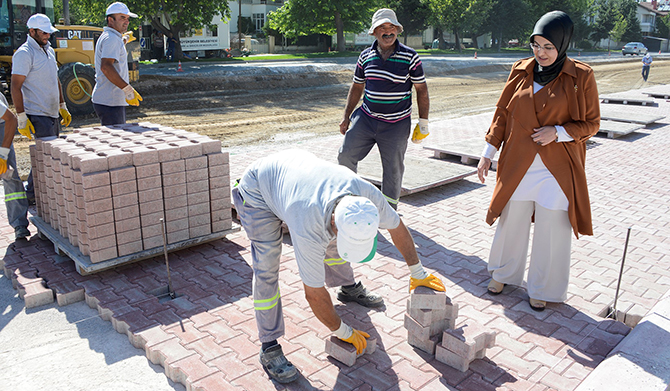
(426, 298)
(346, 352)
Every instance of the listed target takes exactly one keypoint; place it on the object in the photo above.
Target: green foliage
(412, 14)
(663, 26)
(246, 25)
(305, 17)
(459, 16)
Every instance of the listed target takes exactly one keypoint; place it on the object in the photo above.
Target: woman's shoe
(495, 287)
(537, 305)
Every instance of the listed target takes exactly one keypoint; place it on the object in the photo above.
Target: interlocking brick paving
(206, 338)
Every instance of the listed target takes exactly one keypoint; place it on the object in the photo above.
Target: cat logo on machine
(74, 34)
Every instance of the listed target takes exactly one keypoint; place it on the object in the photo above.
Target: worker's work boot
(21, 233)
(360, 295)
(277, 365)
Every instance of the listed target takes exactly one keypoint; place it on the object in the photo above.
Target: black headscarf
(557, 27)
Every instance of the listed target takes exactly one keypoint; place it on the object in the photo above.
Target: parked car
(634, 48)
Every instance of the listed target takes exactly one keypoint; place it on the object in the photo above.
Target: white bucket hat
(357, 221)
(384, 15)
(41, 22)
(119, 8)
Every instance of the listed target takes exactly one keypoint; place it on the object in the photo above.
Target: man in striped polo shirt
(386, 72)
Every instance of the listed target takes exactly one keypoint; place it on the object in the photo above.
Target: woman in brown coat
(546, 112)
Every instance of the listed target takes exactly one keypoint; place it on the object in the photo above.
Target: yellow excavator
(74, 47)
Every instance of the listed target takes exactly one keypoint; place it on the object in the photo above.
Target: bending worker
(36, 91)
(332, 215)
(112, 91)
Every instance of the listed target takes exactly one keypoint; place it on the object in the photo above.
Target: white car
(634, 48)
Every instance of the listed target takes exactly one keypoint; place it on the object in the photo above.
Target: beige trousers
(549, 270)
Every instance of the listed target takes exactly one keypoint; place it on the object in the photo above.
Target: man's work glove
(26, 127)
(420, 131)
(128, 37)
(431, 282)
(4, 153)
(353, 336)
(132, 97)
(67, 117)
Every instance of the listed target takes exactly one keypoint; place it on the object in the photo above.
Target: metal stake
(618, 285)
(167, 263)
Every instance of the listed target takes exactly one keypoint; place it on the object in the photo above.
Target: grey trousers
(16, 201)
(263, 229)
(391, 139)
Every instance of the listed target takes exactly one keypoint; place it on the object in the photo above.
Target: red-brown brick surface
(207, 337)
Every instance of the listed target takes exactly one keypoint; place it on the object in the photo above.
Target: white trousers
(549, 271)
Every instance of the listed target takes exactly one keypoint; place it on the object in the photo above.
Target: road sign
(143, 43)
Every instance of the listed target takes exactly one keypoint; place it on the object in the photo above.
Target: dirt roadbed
(280, 107)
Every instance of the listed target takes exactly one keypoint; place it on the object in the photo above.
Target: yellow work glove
(431, 282)
(128, 37)
(420, 131)
(353, 336)
(67, 117)
(358, 339)
(26, 127)
(132, 97)
(4, 153)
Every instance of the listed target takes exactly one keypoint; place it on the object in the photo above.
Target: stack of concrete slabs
(629, 114)
(420, 173)
(660, 92)
(616, 129)
(469, 150)
(624, 100)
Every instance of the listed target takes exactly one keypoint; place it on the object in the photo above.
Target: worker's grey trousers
(16, 201)
(263, 229)
(391, 140)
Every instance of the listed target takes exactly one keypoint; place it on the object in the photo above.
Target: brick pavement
(206, 338)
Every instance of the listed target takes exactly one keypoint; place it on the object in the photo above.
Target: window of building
(258, 20)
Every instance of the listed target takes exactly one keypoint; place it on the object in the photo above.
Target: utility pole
(239, 24)
(66, 12)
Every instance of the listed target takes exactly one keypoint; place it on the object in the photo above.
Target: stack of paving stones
(106, 189)
(430, 321)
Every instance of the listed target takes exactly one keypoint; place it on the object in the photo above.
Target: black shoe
(360, 295)
(31, 201)
(21, 233)
(277, 365)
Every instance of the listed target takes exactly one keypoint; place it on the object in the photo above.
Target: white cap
(357, 221)
(41, 22)
(384, 15)
(119, 8)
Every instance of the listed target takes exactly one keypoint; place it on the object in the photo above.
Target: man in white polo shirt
(112, 91)
(36, 90)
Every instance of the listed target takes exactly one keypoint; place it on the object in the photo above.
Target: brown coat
(570, 100)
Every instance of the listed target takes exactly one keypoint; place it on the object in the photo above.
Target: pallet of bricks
(105, 189)
(432, 326)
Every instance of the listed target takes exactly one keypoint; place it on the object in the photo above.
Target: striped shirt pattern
(388, 84)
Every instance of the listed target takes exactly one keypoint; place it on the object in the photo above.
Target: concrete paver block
(345, 352)
(36, 294)
(426, 345)
(425, 298)
(468, 340)
(450, 358)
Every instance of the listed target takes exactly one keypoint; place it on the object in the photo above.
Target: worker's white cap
(41, 22)
(384, 15)
(357, 221)
(119, 8)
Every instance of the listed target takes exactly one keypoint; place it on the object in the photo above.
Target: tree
(305, 17)
(456, 15)
(606, 17)
(503, 21)
(167, 16)
(412, 14)
(628, 10)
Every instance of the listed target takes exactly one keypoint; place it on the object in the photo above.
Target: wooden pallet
(468, 150)
(627, 101)
(83, 262)
(616, 129)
